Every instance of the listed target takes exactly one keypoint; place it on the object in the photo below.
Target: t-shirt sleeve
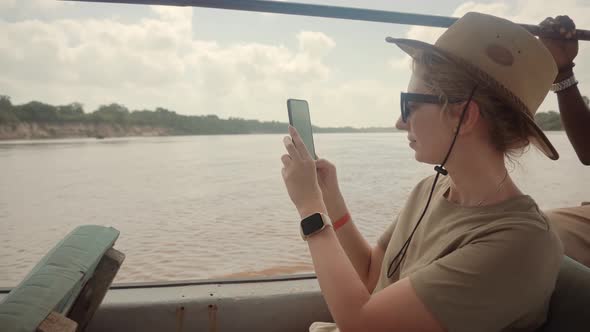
(495, 280)
(385, 238)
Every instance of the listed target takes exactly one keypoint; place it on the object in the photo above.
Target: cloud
(156, 60)
(430, 35)
(317, 44)
(400, 63)
(357, 103)
(173, 14)
(7, 4)
(498, 9)
(21, 8)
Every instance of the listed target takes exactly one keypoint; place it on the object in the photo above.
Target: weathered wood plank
(96, 288)
(57, 322)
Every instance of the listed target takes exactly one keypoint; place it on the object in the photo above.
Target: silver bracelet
(568, 82)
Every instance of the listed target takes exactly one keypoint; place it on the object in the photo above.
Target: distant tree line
(117, 114)
(551, 120)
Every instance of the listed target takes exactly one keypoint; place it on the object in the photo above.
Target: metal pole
(347, 13)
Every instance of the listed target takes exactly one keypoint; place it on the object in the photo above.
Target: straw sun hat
(503, 56)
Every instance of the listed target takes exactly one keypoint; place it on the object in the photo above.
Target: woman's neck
(480, 181)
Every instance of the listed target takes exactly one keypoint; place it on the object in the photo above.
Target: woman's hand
(565, 50)
(328, 181)
(299, 174)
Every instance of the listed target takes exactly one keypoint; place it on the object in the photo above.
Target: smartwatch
(314, 224)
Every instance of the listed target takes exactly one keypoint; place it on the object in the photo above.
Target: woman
(469, 251)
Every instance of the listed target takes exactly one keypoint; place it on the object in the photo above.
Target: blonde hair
(508, 130)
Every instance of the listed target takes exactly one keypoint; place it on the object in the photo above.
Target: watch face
(312, 224)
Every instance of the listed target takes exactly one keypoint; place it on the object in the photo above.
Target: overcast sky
(233, 64)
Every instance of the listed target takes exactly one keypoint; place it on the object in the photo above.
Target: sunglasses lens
(403, 107)
(404, 114)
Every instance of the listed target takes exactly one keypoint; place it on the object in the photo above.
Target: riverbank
(34, 130)
(26, 130)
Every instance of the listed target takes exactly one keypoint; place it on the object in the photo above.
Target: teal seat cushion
(55, 282)
(570, 304)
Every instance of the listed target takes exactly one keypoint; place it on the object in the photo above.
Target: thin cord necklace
(497, 190)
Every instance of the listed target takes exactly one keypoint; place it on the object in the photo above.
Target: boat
(72, 283)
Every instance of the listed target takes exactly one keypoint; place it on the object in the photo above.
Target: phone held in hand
(299, 118)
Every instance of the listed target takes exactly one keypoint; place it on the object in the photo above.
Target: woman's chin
(424, 159)
(418, 157)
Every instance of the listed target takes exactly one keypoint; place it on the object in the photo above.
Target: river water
(198, 207)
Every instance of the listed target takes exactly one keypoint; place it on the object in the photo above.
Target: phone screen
(299, 118)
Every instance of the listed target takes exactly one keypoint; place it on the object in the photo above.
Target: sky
(198, 61)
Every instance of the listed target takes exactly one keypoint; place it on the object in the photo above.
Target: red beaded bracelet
(340, 222)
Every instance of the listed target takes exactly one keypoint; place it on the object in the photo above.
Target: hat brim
(416, 48)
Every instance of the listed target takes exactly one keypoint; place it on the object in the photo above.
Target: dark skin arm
(575, 114)
(575, 117)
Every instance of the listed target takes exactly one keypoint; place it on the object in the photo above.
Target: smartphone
(299, 118)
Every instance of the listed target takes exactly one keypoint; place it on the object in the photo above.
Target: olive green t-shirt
(490, 268)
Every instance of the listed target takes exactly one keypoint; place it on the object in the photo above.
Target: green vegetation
(548, 120)
(551, 120)
(116, 114)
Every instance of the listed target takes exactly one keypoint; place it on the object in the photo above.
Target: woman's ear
(471, 119)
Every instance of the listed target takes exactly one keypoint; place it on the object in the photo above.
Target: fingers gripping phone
(299, 118)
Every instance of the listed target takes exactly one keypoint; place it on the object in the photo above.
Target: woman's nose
(400, 124)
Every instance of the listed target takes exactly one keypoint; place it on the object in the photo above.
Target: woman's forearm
(575, 117)
(341, 287)
(355, 246)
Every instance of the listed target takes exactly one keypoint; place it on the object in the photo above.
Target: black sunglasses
(406, 98)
